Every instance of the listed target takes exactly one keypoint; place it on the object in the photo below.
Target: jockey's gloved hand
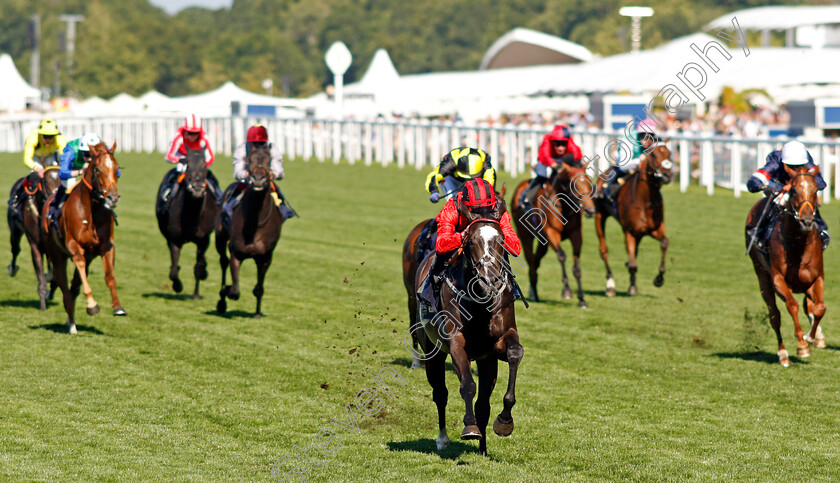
(181, 166)
(434, 197)
(773, 187)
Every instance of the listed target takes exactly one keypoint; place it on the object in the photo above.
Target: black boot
(430, 289)
(55, 206)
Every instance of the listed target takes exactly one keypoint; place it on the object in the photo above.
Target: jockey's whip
(760, 219)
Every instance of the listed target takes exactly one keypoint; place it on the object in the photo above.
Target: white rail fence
(714, 161)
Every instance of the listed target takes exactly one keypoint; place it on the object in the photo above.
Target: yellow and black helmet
(469, 162)
(48, 127)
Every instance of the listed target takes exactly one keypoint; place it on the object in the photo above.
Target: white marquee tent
(15, 92)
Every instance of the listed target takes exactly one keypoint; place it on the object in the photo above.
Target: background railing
(714, 161)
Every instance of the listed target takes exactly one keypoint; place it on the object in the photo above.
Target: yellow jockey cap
(48, 127)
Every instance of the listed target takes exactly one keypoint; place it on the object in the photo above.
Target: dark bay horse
(85, 231)
(640, 212)
(472, 326)
(24, 219)
(559, 202)
(253, 232)
(190, 218)
(410, 262)
(794, 260)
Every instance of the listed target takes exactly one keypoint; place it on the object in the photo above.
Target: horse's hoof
(659, 281)
(196, 296)
(502, 429)
(415, 363)
(610, 292)
(119, 312)
(784, 362)
(92, 310)
(632, 290)
(471, 432)
(258, 315)
(442, 442)
(803, 352)
(532, 295)
(820, 343)
(567, 294)
(13, 270)
(71, 328)
(177, 286)
(51, 294)
(583, 305)
(233, 295)
(221, 307)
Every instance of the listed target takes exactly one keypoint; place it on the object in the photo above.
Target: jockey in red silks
(478, 196)
(190, 136)
(557, 147)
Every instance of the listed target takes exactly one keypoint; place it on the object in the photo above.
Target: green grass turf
(679, 383)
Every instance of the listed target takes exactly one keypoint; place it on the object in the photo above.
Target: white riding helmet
(87, 140)
(794, 154)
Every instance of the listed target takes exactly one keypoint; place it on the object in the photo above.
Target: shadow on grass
(406, 362)
(428, 446)
(62, 328)
(230, 314)
(572, 302)
(168, 295)
(758, 356)
(832, 347)
(26, 304)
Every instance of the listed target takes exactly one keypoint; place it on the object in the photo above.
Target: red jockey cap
(257, 134)
(560, 133)
(192, 123)
(479, 193)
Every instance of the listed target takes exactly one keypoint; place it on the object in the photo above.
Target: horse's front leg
(224, 261)
(79, 259)
(816, 311)
(15, 234)
(461, 363)
(508, 346)
(262, 267)
(632, 245)
(802, 348)
(233, 289)
(488, 369)
(577, 242)
(38, 265)
(435, 374)
(600, 224)
(175, 254)
(108, 259)
(554, 239)
(200, 269)
(659, 234)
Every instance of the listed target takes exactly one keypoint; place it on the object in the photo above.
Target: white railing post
(708, 175)
(735, 165)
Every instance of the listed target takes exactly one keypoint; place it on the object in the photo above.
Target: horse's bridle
(656, 172)
(485, 259)
(795, 209)
(100, 193)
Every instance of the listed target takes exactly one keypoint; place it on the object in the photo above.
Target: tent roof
(781, 18)
(521, 47)
(14, 90)
(218, 101)
(380, 71)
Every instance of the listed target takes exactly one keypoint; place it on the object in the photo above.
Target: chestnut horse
(24, 219)
(794, 260)
(558, 204)
(85, 231)
(640, 211)
(479, 327)
(253, 232)
(189, 219)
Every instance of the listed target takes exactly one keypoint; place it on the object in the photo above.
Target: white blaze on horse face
(487, 233)
(107, 162)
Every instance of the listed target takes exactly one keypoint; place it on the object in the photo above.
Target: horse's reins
(100, 193)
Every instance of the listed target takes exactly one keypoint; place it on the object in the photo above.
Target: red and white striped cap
(192, 123)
